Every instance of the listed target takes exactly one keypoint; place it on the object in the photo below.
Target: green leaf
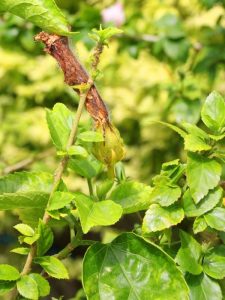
(91, 136)
(194, 143)
(132, 196)
(6, 286)
(53, 266)
(96, 213)
(206, 204)
(102, 35)
(199, 225)
(8, 273)
(60, 120)
(189, 254)
(45, 240)
(27, 287)
(87, 167)
(203, 174)
(214, 262)
(43, 13)
(24, 229)
(103, 188)
(165, 194)
(29, 240)
(74, 151)
(216, 218)
(59, 200)
(213, 112)
(21, 250)
(42, 284)
(178, 130)
(158, 218)
(203, 288)
(131, 268)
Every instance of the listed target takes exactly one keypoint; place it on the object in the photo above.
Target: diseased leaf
(216, 218)
(53, 266)
(158, 218)
(213, 112)
(206, 204)
(199, 225)
(8, 273)
(59, 200)
(42, 284)
(203, 288)
(60, 120)
(131, 268)
(189, 254)
(214, 262)
(132, 196)
(43, 13)
(92, 213)
(27, 287)
(203, 174)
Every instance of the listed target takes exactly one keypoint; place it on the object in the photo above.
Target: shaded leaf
(6, 286)
(199, 225)
(45, 240)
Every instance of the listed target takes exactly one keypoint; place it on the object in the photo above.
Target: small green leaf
(53, 266)
(29, 240)
(91, 137)
(216, 218)
(8, 273)
(27, 287)
(131, 268)
(59, 120)
(158, 218)
(214, 262)
(6, 286)
(103, 188)
(42, 284)
(206, 204)
(132, 196)
(24, 229)
(43, 13)
(87, 167)
(189, 255)
(102, 35)
(203, 288)
(45, 240)
(165, 194)
(213, 112)
(59, 200)
(21, 250)
(74, 151)
(203, 174)
(96, 213)
(199, 225)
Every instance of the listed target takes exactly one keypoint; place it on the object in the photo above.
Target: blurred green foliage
(168, 58)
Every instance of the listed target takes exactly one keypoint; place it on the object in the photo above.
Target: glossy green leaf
(92, 213)
(24, 229)
(8, 273)
(165, 194)
(203, 174)
(87, 167)
(213, 112)
(60, 120)
(45, 240)
(189, 254)
(27, 287)
(216, 218)
(43, 13)
(191, 209)
(132, 196)
(21, 250)
(42, 284)
(214, 262)
(53, 266)
(158, 218)
(203, 288)
(199, 225)
(91, 136)
(131, 268)
(59, 200)
(6, 286)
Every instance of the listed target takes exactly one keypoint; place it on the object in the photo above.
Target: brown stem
(74, 73)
